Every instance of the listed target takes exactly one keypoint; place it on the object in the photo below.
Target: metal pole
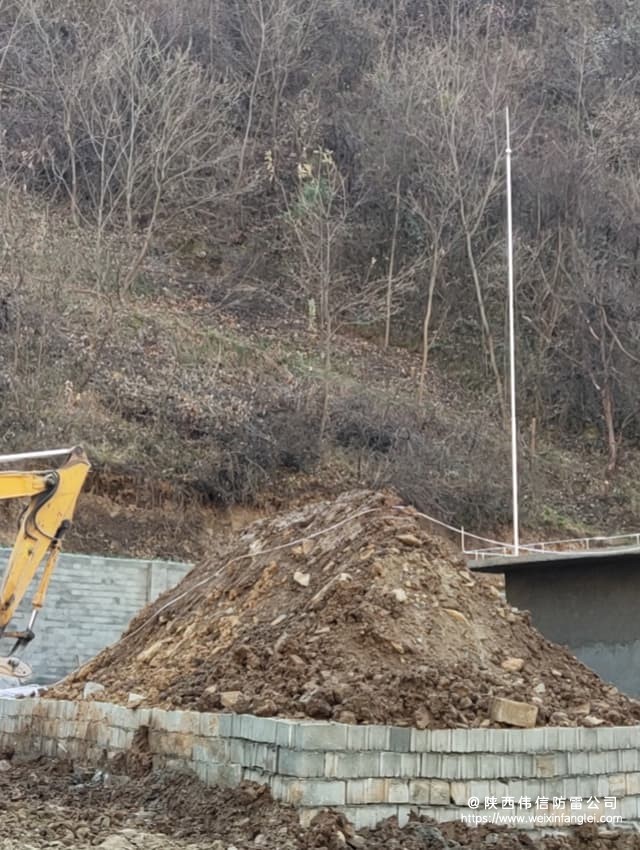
(33, 455)
(512, 355)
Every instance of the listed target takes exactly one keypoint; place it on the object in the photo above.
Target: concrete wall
(589, 608)
(368, 772)
(89, 604)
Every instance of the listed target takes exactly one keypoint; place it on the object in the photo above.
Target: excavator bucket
(14, 667)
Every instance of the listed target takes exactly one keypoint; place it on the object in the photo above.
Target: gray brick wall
(368, 772)
(90, 602)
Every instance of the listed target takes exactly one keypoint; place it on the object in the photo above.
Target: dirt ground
(50, 804)
(353, 610)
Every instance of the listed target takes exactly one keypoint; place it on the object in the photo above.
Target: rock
(457, 615)
(301, 578)
(423, 718)
(317, 705)
(134, 700)
(513, 665)
(356, 840)
(232, 699)
(540, 688)
(279, 619)
(399, 594)
(319, 596)
(151, 651)
(433, 838)
(217, 845)
(560, 718)
(582, 709)
(409, 539)
(115, 842)
(521, 714)
(266, 708)
(303, 549)
(260, 840)
(340, 839)
(211, 690)
(284, 637)
(4, 766)
(92, 688)
(591, 720)
(347, 717)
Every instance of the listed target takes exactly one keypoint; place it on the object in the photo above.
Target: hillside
(254, 253)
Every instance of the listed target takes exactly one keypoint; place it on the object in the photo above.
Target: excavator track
(10, 666)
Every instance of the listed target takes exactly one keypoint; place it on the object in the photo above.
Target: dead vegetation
(198, 203)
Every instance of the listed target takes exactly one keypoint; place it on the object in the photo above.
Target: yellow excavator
(52, 495)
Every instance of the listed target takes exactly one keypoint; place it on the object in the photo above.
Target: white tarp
(18, 691)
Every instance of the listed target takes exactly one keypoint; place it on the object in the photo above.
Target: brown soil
(110, 526)
(47, 804)
(351, 610)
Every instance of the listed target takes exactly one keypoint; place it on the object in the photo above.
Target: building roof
(595, 557)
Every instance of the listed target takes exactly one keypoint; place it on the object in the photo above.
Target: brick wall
(368, 772)
(90, 602)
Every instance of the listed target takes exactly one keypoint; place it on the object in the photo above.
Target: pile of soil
(47, 804)
(352, 610)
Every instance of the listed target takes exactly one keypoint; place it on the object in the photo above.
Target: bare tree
(320, 229)
(139, 133)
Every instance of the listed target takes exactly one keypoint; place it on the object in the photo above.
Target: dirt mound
(351, 610)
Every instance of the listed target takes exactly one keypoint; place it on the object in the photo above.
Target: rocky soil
(352, 610)
(49, 804)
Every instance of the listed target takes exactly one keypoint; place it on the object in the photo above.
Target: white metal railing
(615, 542)
(501, 549)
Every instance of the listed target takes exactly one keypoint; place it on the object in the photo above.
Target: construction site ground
(49, 804)
(350, 609)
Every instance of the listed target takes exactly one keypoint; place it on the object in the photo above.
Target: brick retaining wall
(368, 772)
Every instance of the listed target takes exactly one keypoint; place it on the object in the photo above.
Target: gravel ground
(47, 804)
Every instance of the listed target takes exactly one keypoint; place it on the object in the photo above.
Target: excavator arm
(46, 518)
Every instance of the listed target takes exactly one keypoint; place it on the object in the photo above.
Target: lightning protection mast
(512, 355)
